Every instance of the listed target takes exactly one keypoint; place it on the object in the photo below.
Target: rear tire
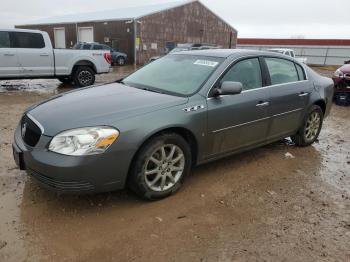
(160, 167)
(121, 61)
(84, 76)
(311, 127)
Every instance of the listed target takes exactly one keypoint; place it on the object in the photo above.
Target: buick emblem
(24, 129)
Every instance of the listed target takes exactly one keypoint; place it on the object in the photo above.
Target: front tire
(84, 76)
(311, 127)
(160, 167)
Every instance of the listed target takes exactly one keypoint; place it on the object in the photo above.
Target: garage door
(86, 34)
(60, 37)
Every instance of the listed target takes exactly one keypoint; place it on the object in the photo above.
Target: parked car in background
(118, 58)
(29, 54)
(341, 78)
(147, 130)
(288, 52)
(186, 47)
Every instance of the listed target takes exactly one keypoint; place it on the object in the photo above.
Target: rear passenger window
(27, 40)
(246, 72)
(97, 47)
(301, 72)
(4, 40)
(281, 71)
(87, 47)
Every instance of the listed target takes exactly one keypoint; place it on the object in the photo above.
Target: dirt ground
(276, 203)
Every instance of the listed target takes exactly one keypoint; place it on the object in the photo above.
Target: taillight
(108, 58)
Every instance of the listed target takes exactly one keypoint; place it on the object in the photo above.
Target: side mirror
(229, 88)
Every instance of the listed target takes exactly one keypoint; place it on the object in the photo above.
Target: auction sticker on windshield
(206, 63)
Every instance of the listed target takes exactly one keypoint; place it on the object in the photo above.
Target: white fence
(316, 55)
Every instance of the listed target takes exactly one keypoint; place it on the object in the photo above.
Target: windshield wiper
(151, 90)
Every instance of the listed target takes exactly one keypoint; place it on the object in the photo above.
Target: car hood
(345, 69)
(98, 105)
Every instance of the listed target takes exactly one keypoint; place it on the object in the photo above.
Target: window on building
(27, 40)
(247, 72)
(281, 71)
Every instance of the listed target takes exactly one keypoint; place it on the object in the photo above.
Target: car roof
(224, 53)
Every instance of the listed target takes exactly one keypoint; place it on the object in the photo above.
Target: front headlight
(338, 73)
(84, 141)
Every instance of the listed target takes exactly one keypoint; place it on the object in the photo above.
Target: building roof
(316, 42)
(112, 14)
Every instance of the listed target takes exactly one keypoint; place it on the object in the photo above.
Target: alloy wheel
(164, 167)
(312, 127)
(85, 78)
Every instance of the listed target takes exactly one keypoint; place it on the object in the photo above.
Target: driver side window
(247, 72)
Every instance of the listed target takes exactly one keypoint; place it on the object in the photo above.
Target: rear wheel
(311, 128)
(121, 61)
(160, 167)
(84, 76)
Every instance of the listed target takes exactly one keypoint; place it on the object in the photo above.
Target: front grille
(30, 131)
(66, 186)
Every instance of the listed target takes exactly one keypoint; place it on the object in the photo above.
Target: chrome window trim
(260, 88)
(263, 87)
(36, 122)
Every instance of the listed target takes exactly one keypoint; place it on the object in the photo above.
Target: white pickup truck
(27, 54)
(288, 52)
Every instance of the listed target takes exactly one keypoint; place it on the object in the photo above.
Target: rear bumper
(70, 174)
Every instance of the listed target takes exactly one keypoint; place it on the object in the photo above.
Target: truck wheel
(160, 167)
(65, 79)
(310, 128)
(121, 61)
(84, 76)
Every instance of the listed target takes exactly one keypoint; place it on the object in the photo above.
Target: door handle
(301, 94)
(9, 54)
(44, 54)
(261, 104)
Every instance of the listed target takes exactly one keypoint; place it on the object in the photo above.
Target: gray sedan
(148, 130)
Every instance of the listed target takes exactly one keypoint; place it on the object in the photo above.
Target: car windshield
(179, 49)
(277, 51)
(174, 74)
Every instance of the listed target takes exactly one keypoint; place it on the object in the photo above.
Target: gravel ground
(276, 203)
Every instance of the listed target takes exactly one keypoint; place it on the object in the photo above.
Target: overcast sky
(252, 18)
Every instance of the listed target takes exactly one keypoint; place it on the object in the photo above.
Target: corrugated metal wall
(316, 55)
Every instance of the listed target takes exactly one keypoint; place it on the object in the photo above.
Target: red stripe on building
(266, 41)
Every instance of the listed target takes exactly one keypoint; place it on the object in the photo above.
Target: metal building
(317, 51)
(143, 31)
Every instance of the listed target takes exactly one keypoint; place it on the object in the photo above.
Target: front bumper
(72, 174)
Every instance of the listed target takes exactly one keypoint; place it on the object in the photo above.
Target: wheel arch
(84, 63)
(183, 132)
(321, 103)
